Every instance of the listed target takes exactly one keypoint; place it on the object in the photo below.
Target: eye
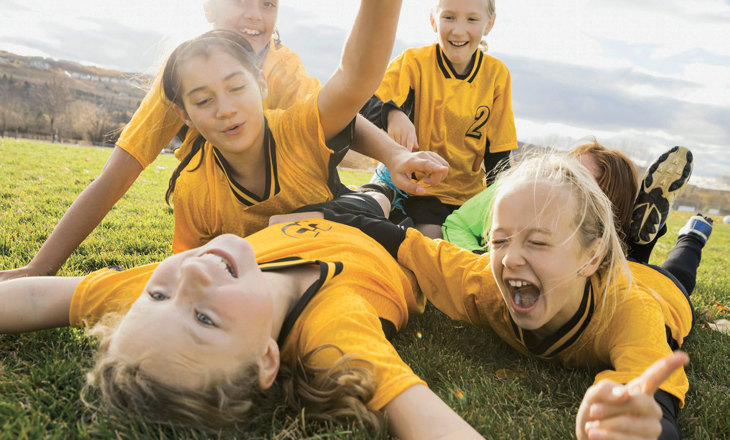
(238, 88)
(157, 296)
(497, 242)
(269, 4)
(201, 102)
(204, 319)
(537, 243)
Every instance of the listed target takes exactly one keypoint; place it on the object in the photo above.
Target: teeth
(251, 32)
(518, 283)
(222, 262)
(459, 44)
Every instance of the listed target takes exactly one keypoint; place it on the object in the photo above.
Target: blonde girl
(155, 124)
(556, 285)
(199, 339)
(453, 99)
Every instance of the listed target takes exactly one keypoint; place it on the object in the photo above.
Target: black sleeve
(388, 234)
(670, 407)
(376, 111)
(494, 163)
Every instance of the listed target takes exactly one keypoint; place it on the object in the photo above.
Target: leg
(685, 256)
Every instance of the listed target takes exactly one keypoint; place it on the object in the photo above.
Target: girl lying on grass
(200, 338)
(556, 285)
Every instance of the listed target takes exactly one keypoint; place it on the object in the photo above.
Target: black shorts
(426, 210)
(347, 201)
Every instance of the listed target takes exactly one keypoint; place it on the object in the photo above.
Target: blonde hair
(337, 394)
(491, 11)
(593, 220)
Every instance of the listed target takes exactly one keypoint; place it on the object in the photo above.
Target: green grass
(41, 374)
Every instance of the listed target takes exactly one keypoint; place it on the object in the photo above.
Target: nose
(513, 256)
(226, 109)
(193, 278)
(252, 10)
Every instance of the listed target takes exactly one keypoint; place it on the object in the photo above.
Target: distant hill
(55, 99)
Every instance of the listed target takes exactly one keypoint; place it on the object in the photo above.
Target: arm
(35, 303)
(401, 129)
(429, 167)
(85, 213)
(363, 64)
(610, 410)
(418, 413)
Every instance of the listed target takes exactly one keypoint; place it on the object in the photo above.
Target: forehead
(528, 205)
(214, 65)
(465, 6)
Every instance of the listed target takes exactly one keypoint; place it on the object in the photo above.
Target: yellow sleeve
(349, 322)
(501, 129)
(287, 80)
(189, 209)
(106, 291)
(152, 126)
(636, 338)
(456, 281)
(398, 80)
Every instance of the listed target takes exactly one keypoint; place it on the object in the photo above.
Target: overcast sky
(639, 76)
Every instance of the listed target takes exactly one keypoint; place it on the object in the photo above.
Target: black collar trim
(447, 69)
(243, 195)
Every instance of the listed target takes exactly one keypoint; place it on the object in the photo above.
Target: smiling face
(254, 19)
(223, 100)
(204, 315)
(537, 259)
(460, 26)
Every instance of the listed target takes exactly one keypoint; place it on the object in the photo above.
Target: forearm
(368, 48)
(35, 303)
(86, 212)
(373, 142)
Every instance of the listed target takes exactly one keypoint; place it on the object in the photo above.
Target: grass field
(41, 374)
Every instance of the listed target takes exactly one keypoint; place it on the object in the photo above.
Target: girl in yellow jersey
(453, 99)
(556, 285)
(197, 339)
(155, 124)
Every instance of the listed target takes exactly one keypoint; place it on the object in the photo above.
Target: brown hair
(618, 180)
(229, 42)
(337, 394)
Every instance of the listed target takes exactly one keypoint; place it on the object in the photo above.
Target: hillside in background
(42, 98)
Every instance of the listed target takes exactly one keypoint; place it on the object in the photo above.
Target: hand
(429, 168)
(15, 273)
(611, 410)
(402, 130)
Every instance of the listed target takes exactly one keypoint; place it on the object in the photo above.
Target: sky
(637, 76)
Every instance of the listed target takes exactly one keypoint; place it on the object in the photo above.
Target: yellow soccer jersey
(457, 116)
(154, 124)
(359, 284)
(634, 337)
(208, 202)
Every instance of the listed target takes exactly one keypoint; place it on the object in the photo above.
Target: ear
(596, 253)
(268, 365)
(490, 25)
(183, 115)
(262, 85)
(433, 21)
(209, 9)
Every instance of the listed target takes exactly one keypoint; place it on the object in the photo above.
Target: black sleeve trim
(670, 407)
(389, 235)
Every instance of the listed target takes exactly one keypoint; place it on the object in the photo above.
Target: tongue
(526, 296)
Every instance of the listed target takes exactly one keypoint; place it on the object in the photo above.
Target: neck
(566, 313)
(249, 166)
(286, 288)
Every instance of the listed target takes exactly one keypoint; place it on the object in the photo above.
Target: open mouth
(223, 261)
(458, 43)
(233, 129)
(524, 295)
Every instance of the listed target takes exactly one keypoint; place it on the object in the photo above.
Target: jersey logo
(303, 229)
(480, 118)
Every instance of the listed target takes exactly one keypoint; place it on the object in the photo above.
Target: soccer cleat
(660, 186)
(698, 226)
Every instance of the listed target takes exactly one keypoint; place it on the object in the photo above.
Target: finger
(411, 141)
(435, 157)
(657, 373)
(605, 392)
(638, 405)
(403, 181)
(628, 426)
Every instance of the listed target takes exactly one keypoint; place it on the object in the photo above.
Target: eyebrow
(197, 89)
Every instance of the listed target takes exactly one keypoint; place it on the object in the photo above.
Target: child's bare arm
(418, 413)
(85, 213)
(402, 130)
(35, 303)
(364, 60)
